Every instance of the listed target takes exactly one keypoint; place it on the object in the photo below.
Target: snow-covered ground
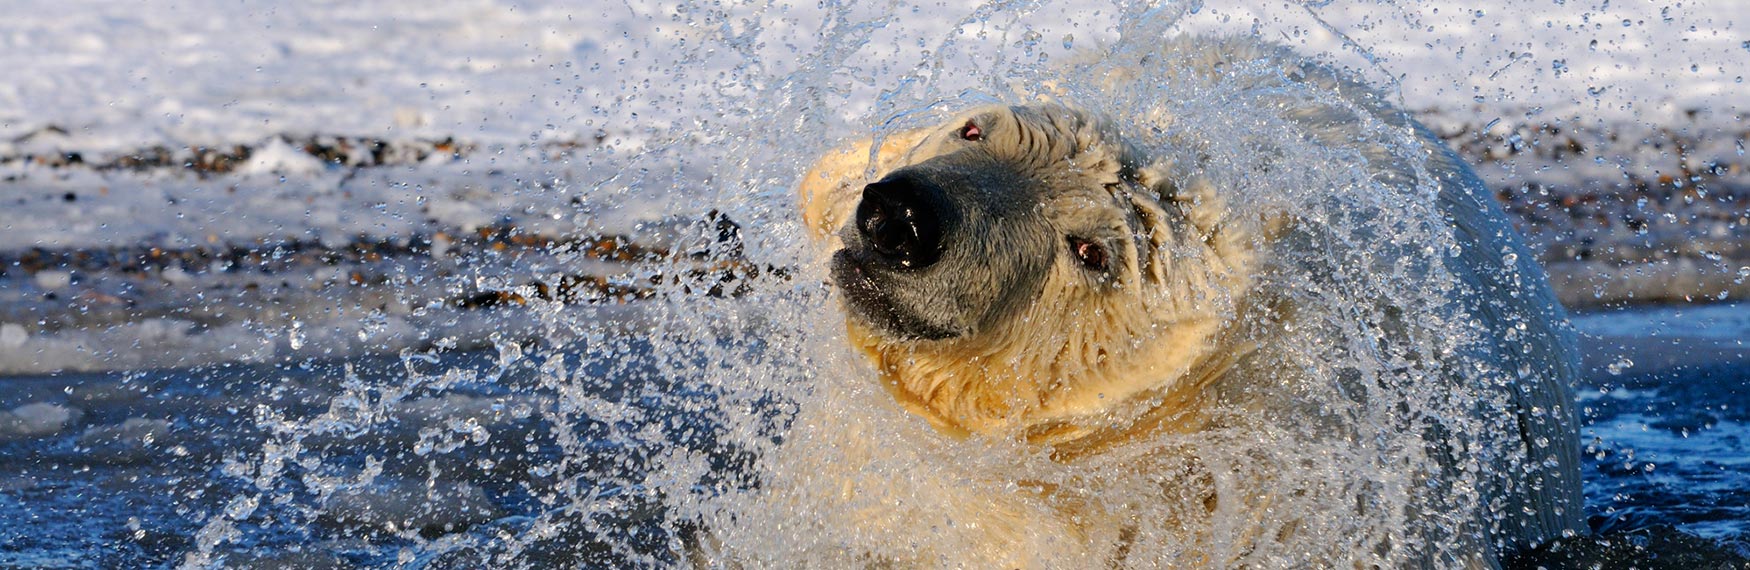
(118, 76)
(215, 130)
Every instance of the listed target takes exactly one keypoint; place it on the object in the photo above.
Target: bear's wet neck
(964, 388)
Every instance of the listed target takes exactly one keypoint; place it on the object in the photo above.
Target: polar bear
(1045, 275)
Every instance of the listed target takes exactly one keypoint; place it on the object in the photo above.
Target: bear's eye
(971, 132)
(1089, 253)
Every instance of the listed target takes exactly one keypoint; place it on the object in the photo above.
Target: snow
(280, 194)
(278, 157)
(115, 76)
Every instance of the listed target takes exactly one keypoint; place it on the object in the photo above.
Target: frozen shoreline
(218, 133)
(369, 245)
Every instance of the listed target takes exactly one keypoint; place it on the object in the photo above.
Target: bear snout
(871, 300)
(903, 219)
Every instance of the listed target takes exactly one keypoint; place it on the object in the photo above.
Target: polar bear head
(1023, 266)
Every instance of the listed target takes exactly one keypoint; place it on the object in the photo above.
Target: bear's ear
(1206, 209)
(1192, 195)
(830, 189)
(1154, 230)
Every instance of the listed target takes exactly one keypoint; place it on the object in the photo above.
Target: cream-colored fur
(1079, 374)
(1059, 383)
(1085, 370)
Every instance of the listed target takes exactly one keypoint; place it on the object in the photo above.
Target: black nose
(901, 217)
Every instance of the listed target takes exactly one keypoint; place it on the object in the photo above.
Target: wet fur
(1178, 260)
(1081, 364)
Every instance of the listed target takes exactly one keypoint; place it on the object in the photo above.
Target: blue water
(1666, 416)
(1665, 407)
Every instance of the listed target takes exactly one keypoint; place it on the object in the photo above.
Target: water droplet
(1617, 368)
(242, 506)
(296, 336)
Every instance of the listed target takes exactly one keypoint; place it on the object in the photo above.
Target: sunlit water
(632, 437)
(1654, 457)
(1665, 416)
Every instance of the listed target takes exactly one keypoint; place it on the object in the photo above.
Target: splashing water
(694, 426)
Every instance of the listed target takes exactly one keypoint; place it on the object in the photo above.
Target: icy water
(709, 413)
(1665, 409)
(1666, 444)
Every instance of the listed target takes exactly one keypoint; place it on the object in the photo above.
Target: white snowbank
(113, 76)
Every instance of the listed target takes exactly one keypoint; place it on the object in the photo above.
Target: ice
(13, 336)
(131, 441)
(37, 420)
(51, 280)
(278, 157)
(1726, 322)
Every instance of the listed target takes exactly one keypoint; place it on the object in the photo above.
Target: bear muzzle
(870, 301)
(903, 219)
